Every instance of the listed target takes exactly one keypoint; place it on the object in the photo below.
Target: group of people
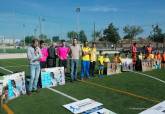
(147, 53)
(40, 56)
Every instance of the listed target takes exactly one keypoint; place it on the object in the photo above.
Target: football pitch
(124, 93)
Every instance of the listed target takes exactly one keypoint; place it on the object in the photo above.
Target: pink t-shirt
(44, 52)
(63, 52)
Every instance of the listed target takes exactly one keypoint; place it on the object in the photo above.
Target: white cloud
(100, 9)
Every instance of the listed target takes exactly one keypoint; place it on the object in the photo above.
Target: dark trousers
(92, 67)
(51, 62)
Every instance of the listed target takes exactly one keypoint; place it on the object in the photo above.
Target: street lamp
(40, 24)
(24, 33)
(78, 23)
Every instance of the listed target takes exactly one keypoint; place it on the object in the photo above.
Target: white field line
(149, 76)
(63, 94)
(138, 108)
(16, 66)
(6, 69)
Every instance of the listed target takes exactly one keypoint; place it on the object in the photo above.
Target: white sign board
(157, 109)
(52, 77)
(103, 111)
(13, 85)
(127, 64)
(82, 106)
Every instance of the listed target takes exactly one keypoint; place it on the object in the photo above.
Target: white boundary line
(6, 69)
(138, 108)
(16, 66)
(149, 76)
(63, 94)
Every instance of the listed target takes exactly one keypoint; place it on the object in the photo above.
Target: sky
(19, 18)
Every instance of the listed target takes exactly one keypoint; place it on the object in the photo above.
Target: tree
(44, 38)
(111, 34)
(156, 35)
(55, 38)
(82, 36)
(28, 39)
(72, 35)
(132, 31)
(96, 35)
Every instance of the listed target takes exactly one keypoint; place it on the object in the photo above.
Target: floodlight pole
(94, 32)
(78, 22)
(40, 26)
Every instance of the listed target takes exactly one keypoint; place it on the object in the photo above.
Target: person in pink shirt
(44, 52)
(62, 53)
(43, 59)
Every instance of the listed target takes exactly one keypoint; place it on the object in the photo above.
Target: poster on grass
(13, 86)
(157, 109)
(148, 65)
(127, 64)
(52, 77)
(113, 68)
(156, 64)
(1, 86)
(103, 111)
(82, 106)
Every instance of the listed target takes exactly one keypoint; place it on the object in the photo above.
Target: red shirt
(134, 49)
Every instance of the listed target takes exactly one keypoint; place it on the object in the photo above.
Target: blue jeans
(34, 73)
(74, 68)
(85, 68)
(101, 71)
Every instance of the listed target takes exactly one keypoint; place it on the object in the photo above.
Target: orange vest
(159, 56)
(163, 57)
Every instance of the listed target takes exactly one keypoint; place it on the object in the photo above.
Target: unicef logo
(74, 108)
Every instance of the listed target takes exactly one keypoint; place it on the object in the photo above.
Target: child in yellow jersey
(106, 61)
(101, 64)
(151, 56)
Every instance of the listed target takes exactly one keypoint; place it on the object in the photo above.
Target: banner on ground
(148, 65)
(127, 64)
(157, 109)
(13, 86)
(87, 106)
(52, 77)
(113, 68)
(82, 106)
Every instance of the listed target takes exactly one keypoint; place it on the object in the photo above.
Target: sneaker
(29, 93)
